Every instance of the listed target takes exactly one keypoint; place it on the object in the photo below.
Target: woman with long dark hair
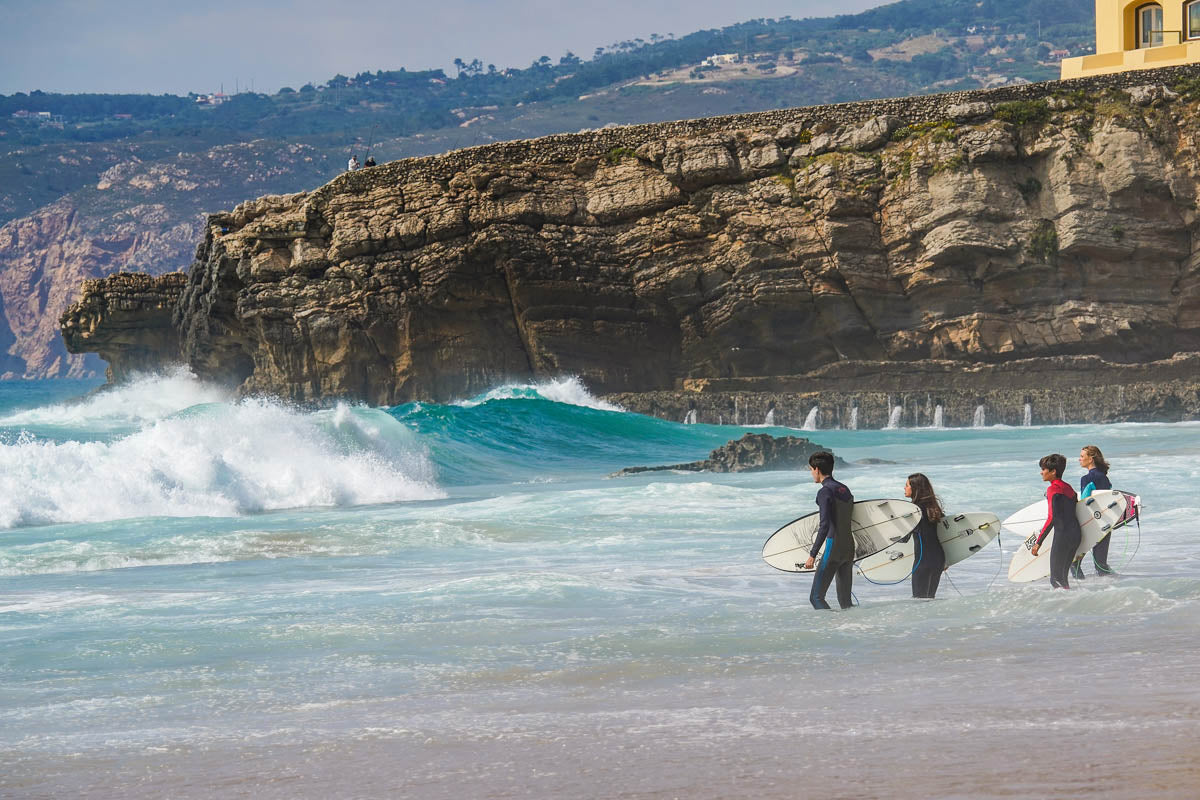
(929, 558)
(1091, 459)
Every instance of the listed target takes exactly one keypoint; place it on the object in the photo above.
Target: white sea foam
(128, 406)
(217, 460)
(569, 391)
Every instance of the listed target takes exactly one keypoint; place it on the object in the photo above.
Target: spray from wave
(125, 407)
(569, 391)
(217, 459)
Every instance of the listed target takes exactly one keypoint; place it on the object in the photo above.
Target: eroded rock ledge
(969, 230)
(126, 319)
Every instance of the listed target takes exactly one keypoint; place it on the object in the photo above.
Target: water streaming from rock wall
(980, 418)
(770, 418)
(894, 418)
(812, 420)
(939, 420)
(1027, 418)
(853, 424)
(690, 419)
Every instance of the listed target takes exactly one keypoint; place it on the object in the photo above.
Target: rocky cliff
(984, 228)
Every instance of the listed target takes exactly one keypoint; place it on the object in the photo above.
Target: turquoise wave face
(173, 446)
(530, 439)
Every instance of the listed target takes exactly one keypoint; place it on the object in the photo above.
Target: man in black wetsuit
(835, 503)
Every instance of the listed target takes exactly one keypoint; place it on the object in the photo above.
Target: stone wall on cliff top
(981, 227)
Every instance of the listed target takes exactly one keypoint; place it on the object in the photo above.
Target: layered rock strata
(973, 229)
(126, 319)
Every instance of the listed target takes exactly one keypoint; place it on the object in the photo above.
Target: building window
(1192, 20)
(1150, 26)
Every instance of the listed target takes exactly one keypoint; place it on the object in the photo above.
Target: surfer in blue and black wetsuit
(1060, 503)
(930, 557)
(836, 504)
(1091, 459)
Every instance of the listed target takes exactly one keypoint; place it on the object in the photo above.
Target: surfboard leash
(1000, 568)
(1137, 541)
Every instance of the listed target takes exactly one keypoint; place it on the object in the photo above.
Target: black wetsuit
(836, 504)
(1061, 502)
(1100, 551)
(930, 558)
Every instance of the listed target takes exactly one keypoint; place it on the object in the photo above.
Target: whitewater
(202, 595)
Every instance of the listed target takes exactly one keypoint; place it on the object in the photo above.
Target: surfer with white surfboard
(836, 505)
(931, 558)
(1091, 459)
(1060, 504)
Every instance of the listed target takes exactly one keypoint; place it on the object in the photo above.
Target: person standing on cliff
(352, 164)
(836, 504)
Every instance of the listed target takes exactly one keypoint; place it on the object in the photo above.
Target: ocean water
(205, 597)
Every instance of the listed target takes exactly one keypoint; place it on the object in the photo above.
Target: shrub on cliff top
(951, 164)
(1023, 112)
(941, 131)
(617, 153)
(1188, 88)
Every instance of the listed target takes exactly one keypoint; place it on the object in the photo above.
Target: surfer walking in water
(1091, 459)
(931, 558)
(1060, 503)
(836, 504)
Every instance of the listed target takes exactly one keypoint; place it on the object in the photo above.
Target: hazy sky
(171, 46)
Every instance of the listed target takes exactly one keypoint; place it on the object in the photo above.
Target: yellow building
(1135, 34)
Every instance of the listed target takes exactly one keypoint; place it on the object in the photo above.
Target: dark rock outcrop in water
(979, 229)
(754, 452)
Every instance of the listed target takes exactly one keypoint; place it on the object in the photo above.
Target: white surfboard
(875, 524)
(961, 535)
(1097, 515)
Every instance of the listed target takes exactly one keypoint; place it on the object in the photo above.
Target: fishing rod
(371, 139)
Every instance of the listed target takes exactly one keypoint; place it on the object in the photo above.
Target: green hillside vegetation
(910, 47)
(410, 101)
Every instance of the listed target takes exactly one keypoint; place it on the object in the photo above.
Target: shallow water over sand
(453, 601)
